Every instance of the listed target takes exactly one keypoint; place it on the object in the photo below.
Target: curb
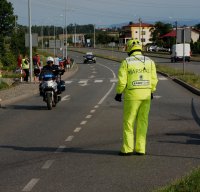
(182, 83)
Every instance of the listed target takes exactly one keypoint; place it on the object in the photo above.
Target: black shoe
(140, 154)
(125, 154)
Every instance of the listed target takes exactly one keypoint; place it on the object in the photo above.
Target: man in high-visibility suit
(137, 80)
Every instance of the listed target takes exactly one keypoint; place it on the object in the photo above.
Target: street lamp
(30, 41)
(66, 28)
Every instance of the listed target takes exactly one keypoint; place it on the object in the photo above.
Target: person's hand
(118, 97)
(151, 96)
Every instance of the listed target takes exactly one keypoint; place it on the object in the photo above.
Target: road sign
(34, 40)
(183, 35)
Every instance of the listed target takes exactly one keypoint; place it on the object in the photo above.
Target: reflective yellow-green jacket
(137, 77)
(25, 64)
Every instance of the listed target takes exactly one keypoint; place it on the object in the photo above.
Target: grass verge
(189, 183)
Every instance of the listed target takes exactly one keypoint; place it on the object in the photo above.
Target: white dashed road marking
(77, 129)
(47, 164)
(88, 116)
(60, 148)
(68, 82)
(162, 78)
(92, 111)
(31, 184)
(65, 98)
(83, 122)
(69, 138)
(98, 81)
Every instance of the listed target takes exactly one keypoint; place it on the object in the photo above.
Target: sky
(104, 13)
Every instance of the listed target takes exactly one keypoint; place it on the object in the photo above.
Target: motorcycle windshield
(48, 76)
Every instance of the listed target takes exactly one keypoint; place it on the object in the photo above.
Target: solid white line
(31, 184)
(77, 129)
(69, 138)
(112, 87)
(47, 164)
(83, 122)
(106, 95)
(88, 116)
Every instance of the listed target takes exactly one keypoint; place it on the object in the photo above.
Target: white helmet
(50, 59)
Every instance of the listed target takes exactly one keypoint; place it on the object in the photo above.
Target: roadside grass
(189, 78)
(189, 183)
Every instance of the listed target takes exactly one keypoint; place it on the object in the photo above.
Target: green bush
(3, 85)
(8, 60)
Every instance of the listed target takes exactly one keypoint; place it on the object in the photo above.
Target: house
(194, 33)
(139, 31)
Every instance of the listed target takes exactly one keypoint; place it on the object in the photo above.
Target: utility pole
(94, 36)
(176, 24)
(75, 34)
(139, 29)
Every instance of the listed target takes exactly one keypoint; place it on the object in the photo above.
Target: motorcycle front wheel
(49, 101)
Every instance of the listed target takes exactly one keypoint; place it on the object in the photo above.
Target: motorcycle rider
(49, 68)
(137, 81)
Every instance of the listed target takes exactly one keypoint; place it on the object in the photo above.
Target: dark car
(89, 58)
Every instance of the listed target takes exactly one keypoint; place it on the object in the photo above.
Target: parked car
(152, 48)
(89, 58)
(155, 48)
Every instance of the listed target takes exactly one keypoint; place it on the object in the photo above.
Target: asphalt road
(75, 146)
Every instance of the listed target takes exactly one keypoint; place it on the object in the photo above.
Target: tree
(7, 21)
(17, 42)
(158, 30)
(197, 26)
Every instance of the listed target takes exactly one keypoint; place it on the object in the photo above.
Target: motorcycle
(51, 87)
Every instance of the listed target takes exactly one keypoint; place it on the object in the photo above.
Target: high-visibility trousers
(135, 114)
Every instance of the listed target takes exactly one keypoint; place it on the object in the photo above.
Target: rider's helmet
(50, 60)
(133, 45)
